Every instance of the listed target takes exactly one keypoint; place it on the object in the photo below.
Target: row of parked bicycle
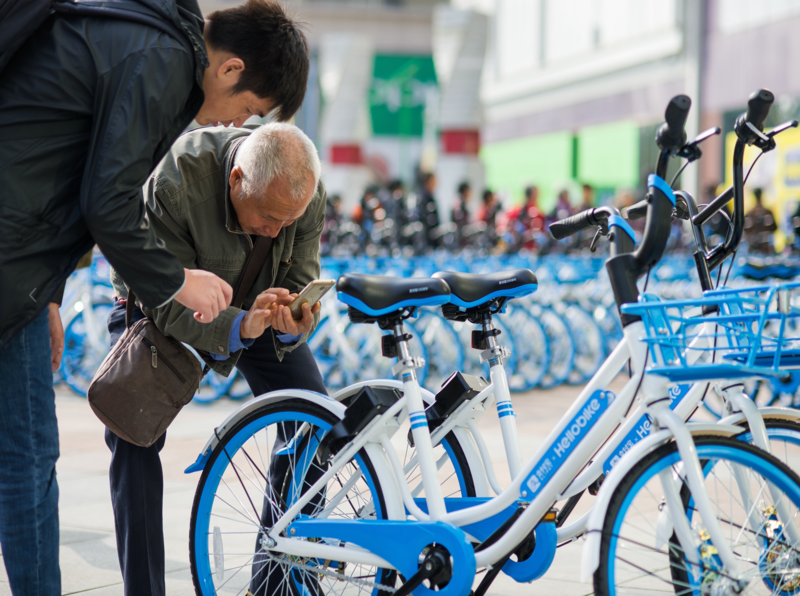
(560, 334)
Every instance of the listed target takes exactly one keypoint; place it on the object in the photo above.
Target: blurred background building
(552, 93)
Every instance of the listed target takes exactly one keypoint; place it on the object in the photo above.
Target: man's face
(265, 216)
(221, 105)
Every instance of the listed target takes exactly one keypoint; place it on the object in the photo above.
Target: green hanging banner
(401, 85)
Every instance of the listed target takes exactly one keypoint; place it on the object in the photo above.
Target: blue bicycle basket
(744, 332)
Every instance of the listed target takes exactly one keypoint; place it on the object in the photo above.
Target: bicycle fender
(590, 558)
(717, 429)
(771, 413)
(245, 409)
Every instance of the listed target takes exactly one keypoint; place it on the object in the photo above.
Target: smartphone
(311, 294)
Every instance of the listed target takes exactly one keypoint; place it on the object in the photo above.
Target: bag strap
(262, 248)
(129, 306)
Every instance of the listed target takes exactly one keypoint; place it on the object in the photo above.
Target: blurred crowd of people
(396, 220)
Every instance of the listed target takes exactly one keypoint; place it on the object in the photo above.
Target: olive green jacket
(189, 207)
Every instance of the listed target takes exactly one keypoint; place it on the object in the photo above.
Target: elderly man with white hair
(214, 193)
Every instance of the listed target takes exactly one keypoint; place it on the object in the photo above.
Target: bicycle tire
(206, 544)
(445, 354)
(533, 350)
(562, 345)
(651, 563)
(80, 359)
(588, 338)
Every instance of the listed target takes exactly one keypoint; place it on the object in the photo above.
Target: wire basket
(726, 334)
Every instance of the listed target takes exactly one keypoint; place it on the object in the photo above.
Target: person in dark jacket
(759, 226)
(88, 107)
(428, 209)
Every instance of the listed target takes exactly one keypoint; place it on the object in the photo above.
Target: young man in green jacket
(88, 107)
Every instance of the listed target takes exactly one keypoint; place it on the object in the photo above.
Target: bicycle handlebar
(639, 210)
(672, 134)
(579, 222)
(713, 207)
(758, 106)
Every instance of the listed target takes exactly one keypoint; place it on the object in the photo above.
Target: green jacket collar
(231, 221)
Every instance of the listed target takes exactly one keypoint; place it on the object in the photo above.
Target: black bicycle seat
(378, 295)
(470, 289)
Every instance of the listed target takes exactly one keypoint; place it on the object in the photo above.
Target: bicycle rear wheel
(86, 344)
(259, 469)
(445, 354)
(562, 346)
(533, 350)
(589, 348)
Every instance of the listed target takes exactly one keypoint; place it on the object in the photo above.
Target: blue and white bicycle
(303, 494)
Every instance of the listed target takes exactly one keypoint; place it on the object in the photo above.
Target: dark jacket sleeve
(136, 103)
(173, 319)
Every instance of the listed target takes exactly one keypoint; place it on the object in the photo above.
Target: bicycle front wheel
(640, 554)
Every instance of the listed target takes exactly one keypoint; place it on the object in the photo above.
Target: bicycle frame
(576, 456)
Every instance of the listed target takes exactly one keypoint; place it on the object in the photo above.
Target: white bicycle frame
(463, 423)
(379, 431)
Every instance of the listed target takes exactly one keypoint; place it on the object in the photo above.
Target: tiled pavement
(88, 554)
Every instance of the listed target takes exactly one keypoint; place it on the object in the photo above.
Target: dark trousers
(137, 484)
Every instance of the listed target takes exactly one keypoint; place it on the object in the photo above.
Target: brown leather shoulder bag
(148, 377)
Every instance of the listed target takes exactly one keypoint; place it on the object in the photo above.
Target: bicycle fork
(736, 401)
(692, 473)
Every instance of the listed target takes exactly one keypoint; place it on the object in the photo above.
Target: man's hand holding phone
(285, 322)
(292, 314)
(262, 314)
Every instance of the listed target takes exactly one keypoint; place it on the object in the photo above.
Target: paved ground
(88, 550)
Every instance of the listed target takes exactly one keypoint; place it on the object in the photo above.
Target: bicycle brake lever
(691, 151)
(781, 127)
(766, 141)
(597, 234)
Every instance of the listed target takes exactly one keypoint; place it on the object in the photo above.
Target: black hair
(529, 190)
(463, 187)
(487, 194)
(271, 45)
(758, 192)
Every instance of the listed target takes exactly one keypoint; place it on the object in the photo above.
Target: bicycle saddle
(469, 289)
(766, 267)
(378, 295)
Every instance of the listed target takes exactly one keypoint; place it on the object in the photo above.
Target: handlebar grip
(573, 224)
(637, 211)
(758, 106)
(676, 114)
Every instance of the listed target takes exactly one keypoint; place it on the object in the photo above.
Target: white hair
(276, 150)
